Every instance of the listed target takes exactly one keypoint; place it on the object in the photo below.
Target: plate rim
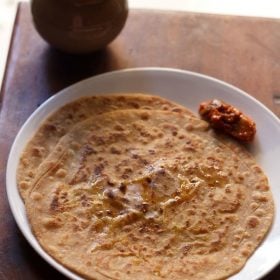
(56, 96)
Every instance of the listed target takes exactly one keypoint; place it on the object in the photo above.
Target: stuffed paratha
(60, 122)
(138, 194)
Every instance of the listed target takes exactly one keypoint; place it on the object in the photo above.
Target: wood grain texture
(239, 50)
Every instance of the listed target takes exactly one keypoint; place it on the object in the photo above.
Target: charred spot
(122, 187)
(111, 184)
(144, 161)
(148, 227)
(84, 201)
(145, 134)
(86, 151)
(115, 151)
(144, 116)
(50, 127)
(82, 116)
(118, 127)
(36, 152)
(143, 229)
(116, 136)
(186, 249)
(171, 127)
(98, 140)
(98, 169)
(110, 194)
(54, 204)
(64, 195)
(128, 170)
(70, 116)
(177, 110)
(134, 105)
(135, 156)
(124, 200)
(168, 144)
(148, 180)
(125, 176)
(121, 98)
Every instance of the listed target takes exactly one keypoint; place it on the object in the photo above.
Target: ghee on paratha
(60, 122)
(138, 194)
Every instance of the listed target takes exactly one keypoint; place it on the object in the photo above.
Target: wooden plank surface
(239, 50)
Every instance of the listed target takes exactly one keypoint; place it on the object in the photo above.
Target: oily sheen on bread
(61, 121)
(149, 194)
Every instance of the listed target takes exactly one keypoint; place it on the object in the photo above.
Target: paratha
(61, 121)
(139, 194)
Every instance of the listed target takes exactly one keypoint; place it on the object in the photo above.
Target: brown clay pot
(79, 26)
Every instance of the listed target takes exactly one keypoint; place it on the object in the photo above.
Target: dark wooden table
(240, 50)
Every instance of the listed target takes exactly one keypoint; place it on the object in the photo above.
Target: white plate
(188, 89)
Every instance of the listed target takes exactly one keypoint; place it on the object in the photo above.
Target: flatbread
(61, 121)
(139, 194)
